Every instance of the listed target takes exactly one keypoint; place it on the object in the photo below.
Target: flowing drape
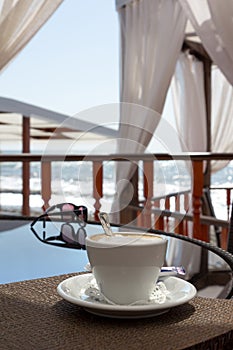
(152, 32)
(212, 21)
(189, 106)
(222, 117)
(189, 103)
(19, 22)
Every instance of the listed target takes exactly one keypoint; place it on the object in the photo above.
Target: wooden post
(198, 182)
(148, 167)
(186, 208)
(167, 207)
(46, 179)
(200, 53)
(207, 89)
(178, 223)
(228, 194)
(97, 186)
(26, 166)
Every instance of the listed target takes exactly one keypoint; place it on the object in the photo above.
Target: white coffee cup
(126, 265)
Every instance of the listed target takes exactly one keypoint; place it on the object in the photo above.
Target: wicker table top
(34, 316)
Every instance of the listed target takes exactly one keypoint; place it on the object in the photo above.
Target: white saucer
(180, 292)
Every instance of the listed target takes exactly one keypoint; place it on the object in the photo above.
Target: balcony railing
(148, 210)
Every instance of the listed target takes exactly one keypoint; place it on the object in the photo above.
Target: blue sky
(72, 63)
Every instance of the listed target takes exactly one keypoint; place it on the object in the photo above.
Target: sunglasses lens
(82, 236)
(69, 208)
(82, 213)
(67, 232)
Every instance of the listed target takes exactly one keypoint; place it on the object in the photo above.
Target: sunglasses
(63, 217)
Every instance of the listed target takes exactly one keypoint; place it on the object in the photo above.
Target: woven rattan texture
(33, 316)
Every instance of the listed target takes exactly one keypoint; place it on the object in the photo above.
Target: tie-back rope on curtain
(19, 22)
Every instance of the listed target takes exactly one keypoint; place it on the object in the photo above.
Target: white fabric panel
(212, 21)
(19, 22)
(152, 32)
(189, 103)
(188, 99)
(222, 117)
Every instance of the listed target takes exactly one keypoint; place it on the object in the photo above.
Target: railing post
(224, 238)
(26, 166)
(228, 202)
(46, 179)
(148, 181)
(97, 186)
(167, 207)
(186, 209)
(178, 224)
(198, 183)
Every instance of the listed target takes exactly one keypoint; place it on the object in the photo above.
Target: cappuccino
(123, 238)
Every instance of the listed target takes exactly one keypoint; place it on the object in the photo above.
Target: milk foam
(122, 239)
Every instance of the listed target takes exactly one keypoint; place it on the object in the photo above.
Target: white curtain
(189, 106)
(222, 117)
(212, 21)
(19, 22)
(152, 32)
(189, 103)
